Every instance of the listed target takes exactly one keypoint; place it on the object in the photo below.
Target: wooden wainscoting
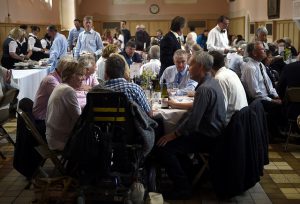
(237, 26)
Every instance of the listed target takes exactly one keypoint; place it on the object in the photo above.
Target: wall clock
(154, 9)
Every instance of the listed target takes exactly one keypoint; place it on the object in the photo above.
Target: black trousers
(168, 156)
(275, 117)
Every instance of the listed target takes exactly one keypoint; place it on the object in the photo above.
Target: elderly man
(89, 41)
(73, 34)
(59, 46)
(261, 35)
(170, 43)
(179, 72)
(233, 90)
(199, 131)
(130, 55)
(217, 38)
(114, 74)
(154, 64)
(258, 85)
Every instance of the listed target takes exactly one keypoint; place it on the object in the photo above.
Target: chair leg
(288, 137)
(7, 136)
(203, 168)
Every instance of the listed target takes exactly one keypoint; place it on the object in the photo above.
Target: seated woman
(101, 61)
(63, 108)
(11, 50)
(87, 61)
(46, 88)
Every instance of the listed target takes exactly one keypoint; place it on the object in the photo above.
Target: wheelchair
(105, 150)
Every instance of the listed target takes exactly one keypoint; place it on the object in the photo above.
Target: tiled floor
(279, 185)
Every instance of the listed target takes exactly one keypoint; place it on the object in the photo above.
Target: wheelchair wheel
(152, 179)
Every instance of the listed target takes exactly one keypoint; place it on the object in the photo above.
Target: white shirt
(217, 41)
(31, 42)
(170, 75)
(101, 68)
(153, 65)
(121, 38)
(12, 46)
(62, 113)
(234, 62)
(234, 94)
(254, 82)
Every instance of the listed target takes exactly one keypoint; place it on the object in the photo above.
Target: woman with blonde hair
(90, 80)
(107, 38)
(11, 50)
(101, 61)
(63, 108)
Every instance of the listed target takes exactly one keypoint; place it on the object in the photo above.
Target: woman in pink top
(42, 96)
(90, 79)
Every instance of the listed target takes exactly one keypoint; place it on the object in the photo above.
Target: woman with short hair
(63, 108)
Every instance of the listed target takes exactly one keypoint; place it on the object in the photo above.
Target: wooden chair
(42, 147)
(292, 97)
(7, 98)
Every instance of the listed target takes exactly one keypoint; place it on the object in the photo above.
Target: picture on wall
(273, 9)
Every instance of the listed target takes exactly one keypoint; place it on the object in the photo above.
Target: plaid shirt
(131, 90)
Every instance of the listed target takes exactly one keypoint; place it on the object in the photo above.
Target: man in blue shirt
(73, 34)
(202, 38)
(89, 41)
(130, 55)
(58, 48)
(179, 73)
(114, 74)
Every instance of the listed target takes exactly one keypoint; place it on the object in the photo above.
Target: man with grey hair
(154, 64)
(261, 35)
(258, 85)
(179, 73)
(200, 129)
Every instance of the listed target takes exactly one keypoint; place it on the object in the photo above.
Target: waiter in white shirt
(217, 38)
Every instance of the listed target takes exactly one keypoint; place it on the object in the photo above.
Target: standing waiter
(170, 43)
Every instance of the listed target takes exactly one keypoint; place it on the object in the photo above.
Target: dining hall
(150, 101)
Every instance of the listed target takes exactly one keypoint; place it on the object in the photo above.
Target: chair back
(8, 97)
(293, 95)
(110, 110)
(31, 127)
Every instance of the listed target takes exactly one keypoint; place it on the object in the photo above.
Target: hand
(85, 87)
(172, 103)
(165, 139)
(226, 51)
(277, 101)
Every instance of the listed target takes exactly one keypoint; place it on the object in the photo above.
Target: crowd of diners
(225, 72)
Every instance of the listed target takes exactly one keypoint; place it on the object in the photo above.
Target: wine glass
(173, 89)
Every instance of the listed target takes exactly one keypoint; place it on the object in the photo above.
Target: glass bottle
(164, 95)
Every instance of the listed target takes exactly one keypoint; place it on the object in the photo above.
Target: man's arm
(99, 44)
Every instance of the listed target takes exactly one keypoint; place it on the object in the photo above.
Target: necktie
(264, 78)
(178, 78)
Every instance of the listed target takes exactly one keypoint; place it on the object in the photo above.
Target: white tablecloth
(170, 118)
(28, 81)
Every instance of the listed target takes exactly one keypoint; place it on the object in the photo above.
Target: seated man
(233, 90)
(199, 131)
(130, 54)
(114, 74)
(179, 73)
(258, 84)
